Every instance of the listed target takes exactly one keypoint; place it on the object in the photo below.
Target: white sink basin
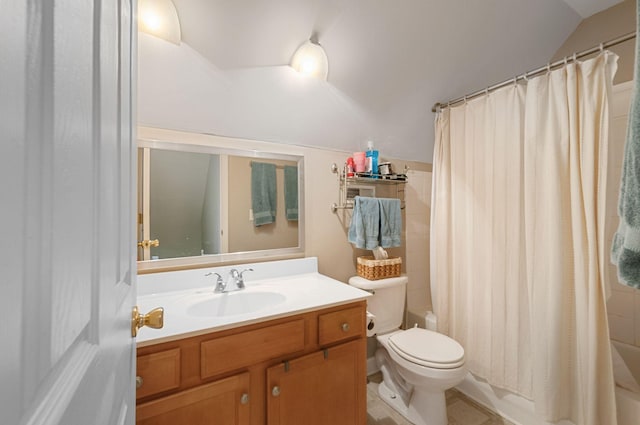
(235, 303)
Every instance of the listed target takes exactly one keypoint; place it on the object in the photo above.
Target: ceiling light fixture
(159, 18)
(311, 60)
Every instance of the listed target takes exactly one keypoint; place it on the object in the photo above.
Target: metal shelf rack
(344, 182)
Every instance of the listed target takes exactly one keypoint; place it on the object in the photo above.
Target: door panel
(65, 180)
(69, 155)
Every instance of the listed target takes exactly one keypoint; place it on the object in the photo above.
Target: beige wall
(418, 213)
(623, 307)
(325, 231)
(604, 26)
(243, 235)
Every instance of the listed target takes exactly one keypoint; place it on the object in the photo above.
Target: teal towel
(625, 252)
(263, 193)
(390, 222)
(375, 222)
(291, 192)
(364, 229)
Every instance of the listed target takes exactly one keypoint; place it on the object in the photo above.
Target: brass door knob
(149, 243)
(154, 319)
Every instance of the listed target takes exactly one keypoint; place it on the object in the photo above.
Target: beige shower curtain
(517, 239)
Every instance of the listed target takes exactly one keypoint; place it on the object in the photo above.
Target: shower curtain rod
(440, 105)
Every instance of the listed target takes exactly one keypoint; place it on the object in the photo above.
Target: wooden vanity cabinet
(307, 369)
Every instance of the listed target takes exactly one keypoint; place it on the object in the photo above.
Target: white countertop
(301, 288)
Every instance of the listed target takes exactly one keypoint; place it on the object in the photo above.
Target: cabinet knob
(345, 327)
(139, 381)
(275, 391)
(244, 399)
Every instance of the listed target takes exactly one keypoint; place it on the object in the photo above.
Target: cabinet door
(326, 387)
(223, 402)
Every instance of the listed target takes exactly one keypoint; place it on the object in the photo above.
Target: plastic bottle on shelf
(371, 166)
(350, 167)
(359, 162)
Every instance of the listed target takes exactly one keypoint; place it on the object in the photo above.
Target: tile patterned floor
(460, 409)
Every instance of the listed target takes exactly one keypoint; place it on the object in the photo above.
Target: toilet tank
(388, 300)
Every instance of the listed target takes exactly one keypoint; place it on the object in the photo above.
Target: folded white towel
(379, 253)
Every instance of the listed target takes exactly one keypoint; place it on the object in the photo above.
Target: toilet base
(393, 399)
(424, 408)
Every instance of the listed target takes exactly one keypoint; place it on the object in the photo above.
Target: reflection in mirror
(214, 203)
(184, 204)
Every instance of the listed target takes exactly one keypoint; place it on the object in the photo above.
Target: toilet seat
(427, 348)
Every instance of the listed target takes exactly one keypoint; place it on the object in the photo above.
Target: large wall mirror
(202, 203)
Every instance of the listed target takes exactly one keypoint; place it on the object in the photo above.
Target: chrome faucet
(234, 275)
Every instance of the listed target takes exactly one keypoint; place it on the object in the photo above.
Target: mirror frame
(212, 144)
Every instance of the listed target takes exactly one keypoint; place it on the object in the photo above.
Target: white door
(67, 265)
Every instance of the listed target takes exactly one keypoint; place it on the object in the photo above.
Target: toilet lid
(428, 348)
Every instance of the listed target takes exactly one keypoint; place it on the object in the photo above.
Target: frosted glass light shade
(311, 60)
(159, 18)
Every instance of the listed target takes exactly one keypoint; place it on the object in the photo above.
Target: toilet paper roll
(371, 324)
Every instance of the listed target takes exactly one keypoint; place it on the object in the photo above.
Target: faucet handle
(240, 278)
(217, 274)
(219, 282)
(245, 270)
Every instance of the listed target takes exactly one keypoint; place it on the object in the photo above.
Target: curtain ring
(575, 57)
(601, 47)
(526, 77)
(566, 61)
(465, 100)
(486, 91)
(515, 81)
(548, 67)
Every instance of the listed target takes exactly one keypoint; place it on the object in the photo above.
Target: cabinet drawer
(246, 348)
(341, 325)
(158, 372)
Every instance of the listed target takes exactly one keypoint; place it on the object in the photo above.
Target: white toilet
(417, 365)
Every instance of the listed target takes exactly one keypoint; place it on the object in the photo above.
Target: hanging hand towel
(390, 222)
(364, 229)
(625, 252)
(263, 193)
(291, 192)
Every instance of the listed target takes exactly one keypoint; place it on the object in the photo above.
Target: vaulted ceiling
(389, 62)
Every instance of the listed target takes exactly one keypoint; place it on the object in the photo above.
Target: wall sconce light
(159, 18)
(311, 60)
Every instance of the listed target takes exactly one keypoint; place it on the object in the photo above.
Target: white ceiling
(587, 8)
(389, 62)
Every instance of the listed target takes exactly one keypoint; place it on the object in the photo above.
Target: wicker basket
(373, 269)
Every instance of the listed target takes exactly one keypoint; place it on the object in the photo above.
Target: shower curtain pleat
(517, 239)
